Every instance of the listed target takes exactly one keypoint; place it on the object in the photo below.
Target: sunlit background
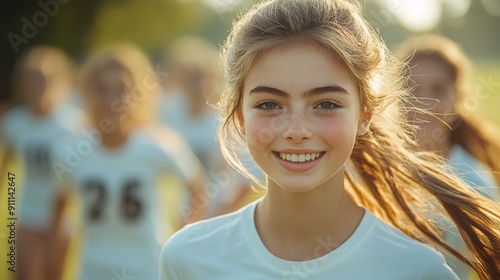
(80, 27)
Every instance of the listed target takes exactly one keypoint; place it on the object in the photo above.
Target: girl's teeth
(299, 157)
(302, 158)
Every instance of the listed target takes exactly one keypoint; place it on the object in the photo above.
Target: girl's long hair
(389, 175)
(469, 131)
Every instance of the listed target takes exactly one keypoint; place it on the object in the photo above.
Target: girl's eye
(328, 105)
(267, 106)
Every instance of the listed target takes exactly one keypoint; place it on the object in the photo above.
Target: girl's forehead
(298, 45)
(112, 71)
(304, 63)
(42, 64)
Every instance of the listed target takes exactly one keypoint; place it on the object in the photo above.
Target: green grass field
(488, 91)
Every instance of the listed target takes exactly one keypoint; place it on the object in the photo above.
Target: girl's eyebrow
(307, 93)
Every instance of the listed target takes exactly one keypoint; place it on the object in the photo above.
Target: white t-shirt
(474, 172)
(33, 140)
(229, 247)
(119, 193)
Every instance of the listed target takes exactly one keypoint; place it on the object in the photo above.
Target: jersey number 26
(130, 204)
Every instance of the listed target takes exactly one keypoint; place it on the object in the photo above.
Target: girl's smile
(299, 160)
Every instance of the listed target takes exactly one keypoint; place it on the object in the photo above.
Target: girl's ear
(241, 121)
(364, 123)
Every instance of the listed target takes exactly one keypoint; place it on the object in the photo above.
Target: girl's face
(109, 94)
(435, 91)
(40, 84)
(301, 114)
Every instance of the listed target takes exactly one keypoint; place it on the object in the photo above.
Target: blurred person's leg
(57, 241)
(57, 248)
(30, 250)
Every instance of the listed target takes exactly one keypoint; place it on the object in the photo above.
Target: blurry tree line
(80, 27)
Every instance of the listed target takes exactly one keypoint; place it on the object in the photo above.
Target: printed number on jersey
(38, 158)
(130, 204)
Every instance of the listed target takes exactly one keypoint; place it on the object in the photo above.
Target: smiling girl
(314, 95)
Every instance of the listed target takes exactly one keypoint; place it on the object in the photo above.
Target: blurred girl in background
(42, 82)
(122, 160)
(439, 77)
(192, 87)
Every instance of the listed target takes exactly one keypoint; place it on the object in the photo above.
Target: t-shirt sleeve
(188, 164)
(437, 268)
(8, 124)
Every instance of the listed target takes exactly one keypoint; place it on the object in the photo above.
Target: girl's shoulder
(224, 232)
(404, 253)
(211, 230)
(15, 117)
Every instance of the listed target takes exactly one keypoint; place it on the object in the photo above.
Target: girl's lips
(299, 166)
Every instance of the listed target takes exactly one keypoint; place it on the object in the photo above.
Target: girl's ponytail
(415, 192)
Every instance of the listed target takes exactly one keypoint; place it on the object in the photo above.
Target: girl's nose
(297, 129)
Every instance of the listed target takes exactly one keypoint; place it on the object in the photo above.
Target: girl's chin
(292, 186)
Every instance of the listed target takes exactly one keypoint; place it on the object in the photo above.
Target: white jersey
(119, 192)
(229, 247)
(33, 140)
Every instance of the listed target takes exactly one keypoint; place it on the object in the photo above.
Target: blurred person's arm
(65, 190)
(60, 204)
(7, 156)
(187, 167)
(196, 179)
(199, 201)
(7, 153)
